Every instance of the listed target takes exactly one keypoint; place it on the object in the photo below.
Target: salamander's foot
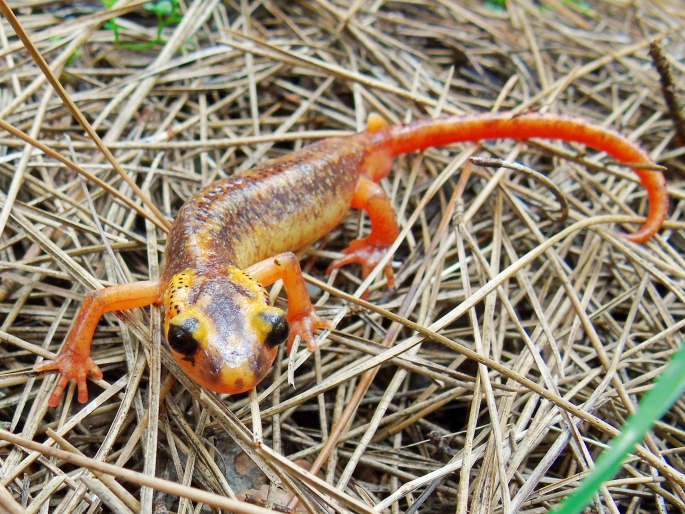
(70, 365)
(368, 255)
(304, 324)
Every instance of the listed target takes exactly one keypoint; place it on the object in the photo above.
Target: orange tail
(423, 134)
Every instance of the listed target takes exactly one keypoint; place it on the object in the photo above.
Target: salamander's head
(221, 328)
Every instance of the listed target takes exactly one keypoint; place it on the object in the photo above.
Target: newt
(236, 236)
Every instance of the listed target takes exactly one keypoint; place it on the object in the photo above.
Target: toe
(60, 385)
(48, 365)
(82, 390)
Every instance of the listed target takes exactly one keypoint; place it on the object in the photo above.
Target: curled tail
(423, 134)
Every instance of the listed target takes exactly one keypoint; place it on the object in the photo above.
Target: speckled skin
(227, 222)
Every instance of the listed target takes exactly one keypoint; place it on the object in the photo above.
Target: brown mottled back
(281, 206)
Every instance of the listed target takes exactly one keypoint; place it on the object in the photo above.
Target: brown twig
(668, 88)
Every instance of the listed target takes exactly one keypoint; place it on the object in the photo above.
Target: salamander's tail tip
(658, 212)
(641, 236)
(656, 186)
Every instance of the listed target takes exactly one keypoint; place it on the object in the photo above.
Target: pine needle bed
(559, 315)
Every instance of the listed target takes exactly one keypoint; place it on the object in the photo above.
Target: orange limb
(301, 314)
(368, 251)
(73, 360)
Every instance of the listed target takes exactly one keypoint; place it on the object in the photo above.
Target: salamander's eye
(273, 326)
(184, 336)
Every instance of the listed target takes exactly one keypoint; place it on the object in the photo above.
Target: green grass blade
(669, 386)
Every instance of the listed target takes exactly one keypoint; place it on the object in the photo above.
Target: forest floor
(186, 93)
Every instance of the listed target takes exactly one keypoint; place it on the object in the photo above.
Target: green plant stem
(668, 387)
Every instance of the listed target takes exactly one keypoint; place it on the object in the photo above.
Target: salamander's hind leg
(368, 251)
(73, 360)
(301, 314)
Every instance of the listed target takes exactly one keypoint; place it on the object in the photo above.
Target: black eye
(279, 328)
(181, 337)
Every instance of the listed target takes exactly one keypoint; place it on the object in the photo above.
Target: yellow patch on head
(262, 325)
(271, 326)
(245, 281)
(176, 294)
(199, 328)
(194, 323)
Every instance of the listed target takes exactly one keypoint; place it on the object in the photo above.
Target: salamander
(234, 237)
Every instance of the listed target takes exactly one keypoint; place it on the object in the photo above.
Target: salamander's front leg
(73, 360)
(368, 251)
(301, 315)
